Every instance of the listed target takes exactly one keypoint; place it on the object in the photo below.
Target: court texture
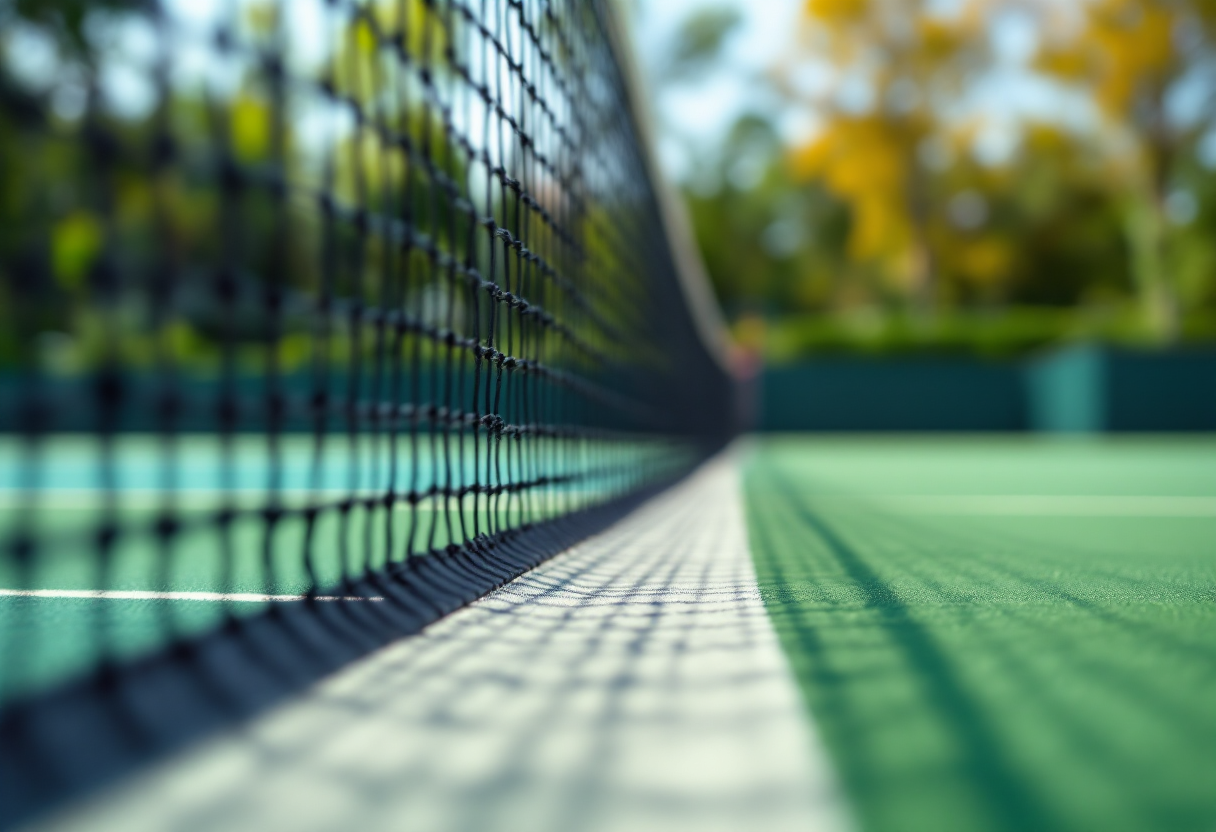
(876, 633)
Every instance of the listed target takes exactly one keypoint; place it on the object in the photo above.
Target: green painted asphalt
(991, 634)
(58, 498)
(1000, 634)
(44, 640)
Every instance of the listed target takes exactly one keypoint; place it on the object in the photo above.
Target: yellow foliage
(869, 160)
(986, 260)
(1065, 63)
(837, 10)
(364, 37)
(880, 228)
(75, 242)
(939, 39)
(864, 160)
(810, 160)
(262, 17)
(251, 128)
(1136, 41)
(913, 40)
(1137, 32)
(362, 54)
(1043, 140)
(855, 155)
(1125, 48)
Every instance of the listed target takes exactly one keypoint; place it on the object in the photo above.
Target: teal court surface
(79, 601)
(884, 633)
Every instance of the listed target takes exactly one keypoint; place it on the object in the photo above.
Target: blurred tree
(1132, 57)
(769, 242)
(1039, 229)
(1091, 218)
(894, 64)
(136, 217)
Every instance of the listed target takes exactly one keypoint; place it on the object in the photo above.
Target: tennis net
(318, 319)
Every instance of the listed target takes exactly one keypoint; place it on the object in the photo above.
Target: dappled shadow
(982, 753)
(634, 682)
(91, 731)
(1022, 681)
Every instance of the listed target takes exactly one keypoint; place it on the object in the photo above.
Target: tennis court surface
(1000, 634)
(370, 459)
(632, 682)
(809, 633)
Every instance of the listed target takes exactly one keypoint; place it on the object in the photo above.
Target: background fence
(1080, 389)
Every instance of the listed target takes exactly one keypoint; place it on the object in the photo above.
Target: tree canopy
(950, 183)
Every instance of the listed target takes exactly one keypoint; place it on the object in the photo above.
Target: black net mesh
(302, 299)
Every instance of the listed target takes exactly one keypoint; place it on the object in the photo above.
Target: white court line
(145, 595)
(632, 684)
(1070, 505)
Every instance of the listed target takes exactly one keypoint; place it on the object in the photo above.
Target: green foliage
(1010, 332)
(83, 241)
(699, 41)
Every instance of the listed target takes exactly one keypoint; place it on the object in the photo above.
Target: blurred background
(959, 206)
(1006, 206)
(980, 177)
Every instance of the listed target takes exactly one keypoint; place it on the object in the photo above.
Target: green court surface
(1009, 634)
(149, 589)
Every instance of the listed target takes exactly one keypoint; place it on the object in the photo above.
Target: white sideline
(1030, 505)
(632, 683)
(149, 595)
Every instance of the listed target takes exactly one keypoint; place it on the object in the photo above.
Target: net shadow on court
(57, 745)
(392, 283)
(632, 682)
